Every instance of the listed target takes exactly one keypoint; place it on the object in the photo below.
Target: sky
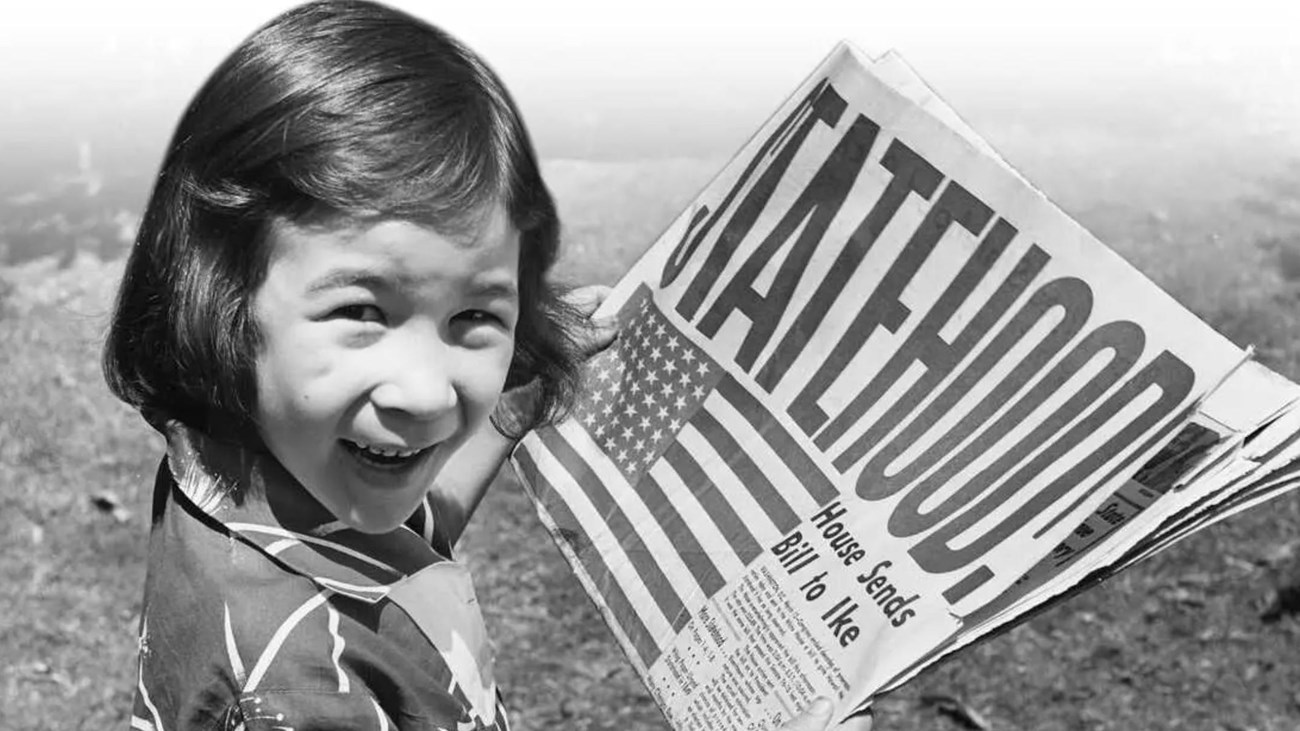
(668, 78)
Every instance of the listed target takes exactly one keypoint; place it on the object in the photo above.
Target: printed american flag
(670, 478)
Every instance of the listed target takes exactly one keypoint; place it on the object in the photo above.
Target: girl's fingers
(586, 300)
(864, 721)
(597, 337)
(598, 333)
(817, 717)
(814, 718)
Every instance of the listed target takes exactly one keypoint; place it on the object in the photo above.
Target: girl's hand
(817, 717)
(515, 408)
(598, 333)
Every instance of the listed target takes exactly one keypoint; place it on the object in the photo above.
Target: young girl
(340, 269)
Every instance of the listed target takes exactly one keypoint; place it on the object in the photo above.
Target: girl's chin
(374, 525)
(383, 515)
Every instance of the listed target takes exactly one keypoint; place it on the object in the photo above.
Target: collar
(251, 496)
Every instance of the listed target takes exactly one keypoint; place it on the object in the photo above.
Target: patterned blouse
(266, 613)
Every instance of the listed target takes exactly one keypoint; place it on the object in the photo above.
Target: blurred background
(1160, 99)
(1171, 130)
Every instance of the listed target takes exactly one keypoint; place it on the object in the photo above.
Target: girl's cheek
(490, 376)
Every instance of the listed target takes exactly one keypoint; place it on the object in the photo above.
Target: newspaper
(874, 398)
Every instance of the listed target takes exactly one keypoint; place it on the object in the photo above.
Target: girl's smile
(394, 460)
(384, 345)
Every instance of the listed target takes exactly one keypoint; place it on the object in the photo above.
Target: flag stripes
(696, 521)
(655, 520)
(649, 510)
(670, 480)
(746, 470)
(713, 502)
(603, 542)
(687, 545)
(779, 441)
(643, 560)
(602, 579)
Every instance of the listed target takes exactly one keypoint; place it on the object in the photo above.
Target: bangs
(363, 116)
(442, 164)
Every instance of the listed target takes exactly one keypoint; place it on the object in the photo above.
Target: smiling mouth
(385, 458)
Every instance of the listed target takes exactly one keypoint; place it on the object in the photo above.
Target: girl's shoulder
(231, 635)
(256, 596)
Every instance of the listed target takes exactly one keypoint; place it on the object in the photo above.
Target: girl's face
(384, 346)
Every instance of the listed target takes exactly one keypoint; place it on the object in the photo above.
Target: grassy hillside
(1182, 642)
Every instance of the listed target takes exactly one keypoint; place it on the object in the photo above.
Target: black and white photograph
(706, 366)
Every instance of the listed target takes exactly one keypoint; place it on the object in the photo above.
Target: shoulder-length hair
(335, 107)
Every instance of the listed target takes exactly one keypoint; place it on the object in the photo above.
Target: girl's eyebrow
(397, 281)
(496, 289)
(358, 277)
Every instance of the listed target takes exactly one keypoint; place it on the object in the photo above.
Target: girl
(340, 269)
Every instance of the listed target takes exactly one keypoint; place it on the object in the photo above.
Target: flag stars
(643, 392)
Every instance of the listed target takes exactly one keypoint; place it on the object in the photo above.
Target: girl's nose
(420, 385)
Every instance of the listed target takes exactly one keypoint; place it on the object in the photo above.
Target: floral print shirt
(264, 612)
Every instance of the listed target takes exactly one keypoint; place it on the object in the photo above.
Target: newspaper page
(866, 382)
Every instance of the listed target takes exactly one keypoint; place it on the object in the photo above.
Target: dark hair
(340, 107)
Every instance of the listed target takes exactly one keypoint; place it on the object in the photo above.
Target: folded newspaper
(876, 398)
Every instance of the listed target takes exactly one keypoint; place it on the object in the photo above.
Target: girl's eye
(359, 313)
(478, 317)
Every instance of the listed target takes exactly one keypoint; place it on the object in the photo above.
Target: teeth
(386, 451)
